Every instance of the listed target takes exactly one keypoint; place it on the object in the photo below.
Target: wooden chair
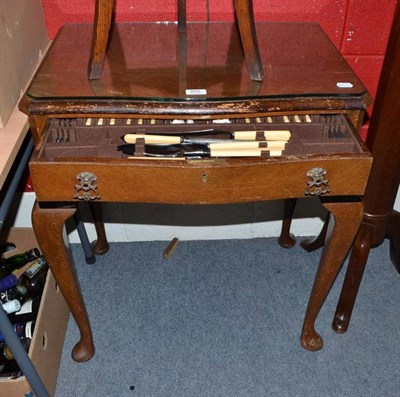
(244, 15)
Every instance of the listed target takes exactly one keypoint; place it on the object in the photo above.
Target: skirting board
(150, 222)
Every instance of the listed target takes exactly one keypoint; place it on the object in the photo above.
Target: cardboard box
(50, 328)
(23, 42)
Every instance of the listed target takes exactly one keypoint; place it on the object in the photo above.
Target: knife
(192, 151)
(211, 135)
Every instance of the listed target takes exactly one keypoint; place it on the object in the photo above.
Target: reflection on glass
(155, 62)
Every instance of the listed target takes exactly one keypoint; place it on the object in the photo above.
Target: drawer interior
(99, 137)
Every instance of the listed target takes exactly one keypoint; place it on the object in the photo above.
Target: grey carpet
(223, 318)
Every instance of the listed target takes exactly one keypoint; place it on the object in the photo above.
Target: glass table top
(152, 61)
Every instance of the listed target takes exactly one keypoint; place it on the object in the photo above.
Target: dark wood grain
(101, 29)
(248, 34)
(383, 140)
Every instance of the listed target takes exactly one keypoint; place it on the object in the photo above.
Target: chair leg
(181, 15)
(101, 31)
(248, 34)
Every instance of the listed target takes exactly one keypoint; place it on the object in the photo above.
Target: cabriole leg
(49, 227)
(100, 246)
(311, 245)
(343, 225)
(286, 239)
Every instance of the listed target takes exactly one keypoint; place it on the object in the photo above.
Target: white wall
(142, 222)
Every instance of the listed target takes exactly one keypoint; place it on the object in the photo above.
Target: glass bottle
(12, 306)
(31, 283)
(8, 265)
(22, 330)
(6, 352)
(28, 312)
(8, 367)
(8, 282)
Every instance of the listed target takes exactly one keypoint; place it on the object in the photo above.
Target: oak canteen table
(160, 89)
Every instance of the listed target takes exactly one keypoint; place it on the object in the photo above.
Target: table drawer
(79, 160)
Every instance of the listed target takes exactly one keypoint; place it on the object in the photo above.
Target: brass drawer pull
(317, 183)
(86, 188)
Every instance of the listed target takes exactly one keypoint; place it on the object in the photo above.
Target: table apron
(197, 182)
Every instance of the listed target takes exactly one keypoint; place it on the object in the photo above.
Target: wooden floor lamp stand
(380, 221)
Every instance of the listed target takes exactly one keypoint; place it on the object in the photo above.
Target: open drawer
(79, 160)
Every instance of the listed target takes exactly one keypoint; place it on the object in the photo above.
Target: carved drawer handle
(86, 188)
(317, 183)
